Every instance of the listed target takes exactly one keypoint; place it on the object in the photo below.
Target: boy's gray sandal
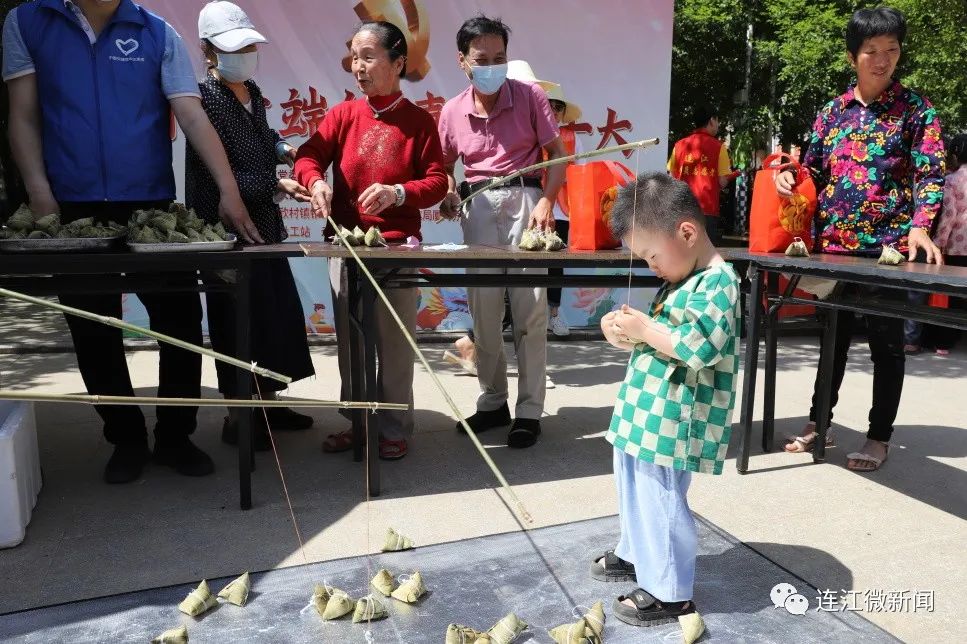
(648, 611)
(614, 568)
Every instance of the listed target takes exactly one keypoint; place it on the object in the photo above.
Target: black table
(126, 272)
(764, 269)
(389, 261)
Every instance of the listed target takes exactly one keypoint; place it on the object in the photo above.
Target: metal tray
(66, 245)
(189, 247)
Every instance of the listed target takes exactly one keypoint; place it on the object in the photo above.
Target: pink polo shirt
(510, 138)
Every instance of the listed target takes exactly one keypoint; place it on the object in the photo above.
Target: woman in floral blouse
(878, 153)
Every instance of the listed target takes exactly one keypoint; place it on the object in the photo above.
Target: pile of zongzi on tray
(25, 224)
(177, 225)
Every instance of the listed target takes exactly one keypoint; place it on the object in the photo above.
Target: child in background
(673, 411)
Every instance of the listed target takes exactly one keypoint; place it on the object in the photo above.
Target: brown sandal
(341, 442)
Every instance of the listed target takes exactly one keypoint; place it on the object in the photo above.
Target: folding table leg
(356, 370)
(771, 340)
(243, 418)
(751, 365)
(825, 385)
(368, 294)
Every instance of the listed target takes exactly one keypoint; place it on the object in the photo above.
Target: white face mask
(237, 68)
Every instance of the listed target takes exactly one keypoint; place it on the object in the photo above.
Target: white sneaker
(557, 326)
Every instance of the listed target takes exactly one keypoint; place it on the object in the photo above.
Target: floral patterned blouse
(880, 169)
(952, 229)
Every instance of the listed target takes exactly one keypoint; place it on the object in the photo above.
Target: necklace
(377, 113)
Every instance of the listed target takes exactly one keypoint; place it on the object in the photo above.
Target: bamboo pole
(436, 381)
(499, 181)
(6, 394)
(121, 324)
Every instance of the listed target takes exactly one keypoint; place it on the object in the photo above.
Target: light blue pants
(657, 528)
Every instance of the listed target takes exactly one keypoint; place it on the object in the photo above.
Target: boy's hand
(629, 325)
(612, 333)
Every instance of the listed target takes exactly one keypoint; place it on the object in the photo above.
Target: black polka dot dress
(278, 323)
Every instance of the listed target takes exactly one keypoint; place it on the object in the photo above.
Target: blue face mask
(488, 79)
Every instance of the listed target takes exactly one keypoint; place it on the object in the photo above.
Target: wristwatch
(400, 195)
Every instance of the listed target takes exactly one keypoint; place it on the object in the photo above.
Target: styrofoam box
(20, 477)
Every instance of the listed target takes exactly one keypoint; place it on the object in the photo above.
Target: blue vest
(104, 115)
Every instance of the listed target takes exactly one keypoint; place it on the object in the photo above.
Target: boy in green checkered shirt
(673, 412)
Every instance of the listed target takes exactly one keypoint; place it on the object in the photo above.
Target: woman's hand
(294, 190)
(785, 182)
(920, 238)
(377, 198)
(321, 199)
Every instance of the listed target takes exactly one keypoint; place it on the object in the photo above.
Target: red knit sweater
(402, 146)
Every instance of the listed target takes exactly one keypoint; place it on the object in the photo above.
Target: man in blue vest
(92, 86)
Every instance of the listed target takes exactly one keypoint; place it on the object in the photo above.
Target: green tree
(798, 63)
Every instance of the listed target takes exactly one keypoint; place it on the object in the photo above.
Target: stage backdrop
(612, 58)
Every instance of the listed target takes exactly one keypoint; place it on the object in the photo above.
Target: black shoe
(285, 419)
(127, 462)
(648, 611)
(614, 568)
(524, 432)
(261, 435)
(484, 420)
(182, 455)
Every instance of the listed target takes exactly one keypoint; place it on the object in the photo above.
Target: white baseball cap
(227, 26)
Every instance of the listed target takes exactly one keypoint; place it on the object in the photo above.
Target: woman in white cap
(234, 105)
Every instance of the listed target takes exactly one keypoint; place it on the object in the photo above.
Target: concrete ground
(899, 530)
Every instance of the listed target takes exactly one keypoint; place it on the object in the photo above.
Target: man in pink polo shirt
(496, 127)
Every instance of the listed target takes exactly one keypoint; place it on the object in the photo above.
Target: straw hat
(572, 111)
(521, 70)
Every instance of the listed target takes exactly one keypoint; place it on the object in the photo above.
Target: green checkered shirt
(676, 411)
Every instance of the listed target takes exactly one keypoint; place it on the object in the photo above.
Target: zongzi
(410, 590)
(339, 604)
(236, 592)
(553, 241)
(48, 224)
(460, 634)
(369, 609)
(595, 621)
(374, 237)
(358, 236)
(22, 219)
(320, 597)
(797, 248)
(38, 234)
(384, 582)
(507, 629)
(890, 256)
(395, 542)
(573, 633)
(532, 239)
(198, 601)
(173, 636)
(692, 627)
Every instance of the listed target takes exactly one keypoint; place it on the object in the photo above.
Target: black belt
(467, 189)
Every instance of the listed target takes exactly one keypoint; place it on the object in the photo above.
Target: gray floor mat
(540, 575)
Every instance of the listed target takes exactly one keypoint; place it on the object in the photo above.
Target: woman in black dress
(234, 105)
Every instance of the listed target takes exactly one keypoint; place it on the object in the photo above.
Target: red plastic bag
(774, 221)
(587, 190)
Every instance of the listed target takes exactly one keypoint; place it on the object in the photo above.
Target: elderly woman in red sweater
(387, 165)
